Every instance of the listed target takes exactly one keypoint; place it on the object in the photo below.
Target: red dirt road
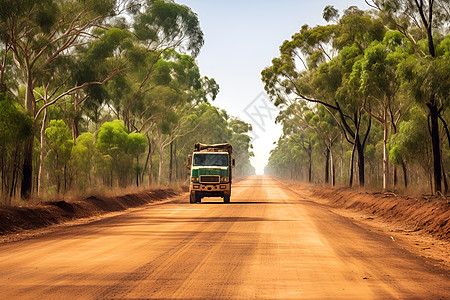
(268, 243)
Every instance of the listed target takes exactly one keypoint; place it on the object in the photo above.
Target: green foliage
(59, 139)
(165, 22)
(15, 128)
(15, 123)
(427, 76)
(412, 142)
(81, 64)
(112, 138)
(359, 70)
(136, 143)
(60, 144)
(118, 149)
(82, 161)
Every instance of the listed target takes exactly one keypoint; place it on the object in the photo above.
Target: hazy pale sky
(241, 39)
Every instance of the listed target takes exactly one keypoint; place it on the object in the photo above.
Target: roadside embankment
(18, 218)
(429, 214)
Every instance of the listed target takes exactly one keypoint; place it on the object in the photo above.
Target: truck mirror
(233, 162)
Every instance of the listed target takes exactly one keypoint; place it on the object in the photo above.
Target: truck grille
(210, 178)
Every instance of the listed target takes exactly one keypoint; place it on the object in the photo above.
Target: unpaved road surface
(268, 243)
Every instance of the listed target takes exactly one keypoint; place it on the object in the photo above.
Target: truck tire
(192, 198)
(226, 199)
(198, 198)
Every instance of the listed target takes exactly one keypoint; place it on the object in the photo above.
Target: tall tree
(326, 79)
(415, 18)
(38, 34)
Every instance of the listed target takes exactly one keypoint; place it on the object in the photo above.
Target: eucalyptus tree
(72, 82)
(60, 143)
(101, 56)
(164, 34)
(112, 142)
(323, 122)
(309, 126)
(162, 29)
(296, 126)
(38, 34)
(82, 160)
(419, 21)
(136, 146)
(412, 143)
(326, 79)
(376, 75)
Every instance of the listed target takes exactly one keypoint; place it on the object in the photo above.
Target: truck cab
(211, 172)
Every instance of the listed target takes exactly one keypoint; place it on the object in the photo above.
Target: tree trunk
(42, 156)
(171, 162)
(385, 153)
(352, 158)
(27, 170)
(405, 177)
(65, 178)
(333, 183)
(137, 170)
(310, 164)
(147, 159)
(160, 164)
(360, 149)
(111, 178)
(150, 165)
(14, 175)
(395, 176)
(327, 166)
(176, 162)
(432, 106)
(435, 141)
(75, 130)
(75, 120)
(444, 177)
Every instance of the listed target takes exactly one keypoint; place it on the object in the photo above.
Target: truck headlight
(224, 179)
(194, 179)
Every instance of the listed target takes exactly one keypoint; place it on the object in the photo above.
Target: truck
(210, 171)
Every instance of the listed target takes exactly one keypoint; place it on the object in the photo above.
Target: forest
(365, 98)
(103, 94)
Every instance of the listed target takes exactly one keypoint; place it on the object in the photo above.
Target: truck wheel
(192, 198)
(226, 199)
(198, 198)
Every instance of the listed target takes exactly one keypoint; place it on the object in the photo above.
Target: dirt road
(268, 243)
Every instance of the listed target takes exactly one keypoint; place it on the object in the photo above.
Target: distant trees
(386, 65)
(94, 93)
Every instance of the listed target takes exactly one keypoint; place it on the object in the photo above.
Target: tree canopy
(376, 74)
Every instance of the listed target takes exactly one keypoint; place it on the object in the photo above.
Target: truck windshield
(211, 160)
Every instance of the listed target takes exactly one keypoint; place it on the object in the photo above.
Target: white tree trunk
(385, 152)
(42, 156)
(160, 164)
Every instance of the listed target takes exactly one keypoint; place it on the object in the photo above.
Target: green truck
(210, 172)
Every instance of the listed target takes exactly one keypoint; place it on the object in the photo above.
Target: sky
(241, 39)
